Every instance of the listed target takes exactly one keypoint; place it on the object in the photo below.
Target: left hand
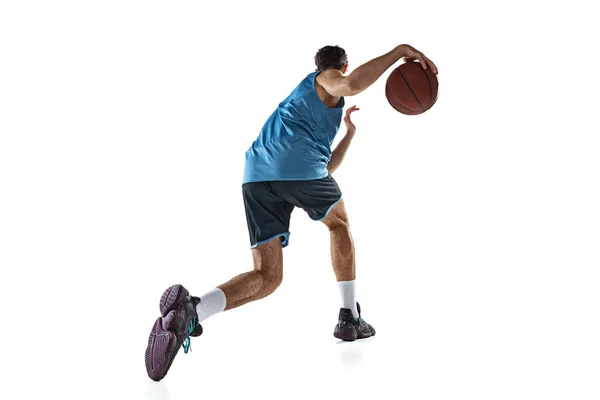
(412, 54)
(349, 124)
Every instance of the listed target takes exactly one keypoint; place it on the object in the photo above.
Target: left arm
(337, 155)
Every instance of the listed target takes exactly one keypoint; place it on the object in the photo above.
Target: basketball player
(289, 165)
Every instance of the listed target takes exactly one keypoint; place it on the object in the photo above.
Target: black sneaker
(173, 329)
(349, 328)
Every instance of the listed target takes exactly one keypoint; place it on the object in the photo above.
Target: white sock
(211, 303)
(348, 293)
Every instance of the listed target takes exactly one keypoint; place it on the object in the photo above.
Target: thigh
(268, 259)
(267, 214)
(317, 197)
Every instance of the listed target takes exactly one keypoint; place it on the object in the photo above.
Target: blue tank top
(295, 142)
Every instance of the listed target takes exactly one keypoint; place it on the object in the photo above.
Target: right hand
(351, 128)
(411, 54)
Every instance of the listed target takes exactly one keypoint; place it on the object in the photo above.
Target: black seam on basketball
(398, 103)
(391, 93)
(409, 88)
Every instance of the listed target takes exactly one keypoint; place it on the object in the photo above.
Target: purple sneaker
(172, 330)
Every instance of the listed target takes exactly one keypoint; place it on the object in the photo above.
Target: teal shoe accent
(187, 344)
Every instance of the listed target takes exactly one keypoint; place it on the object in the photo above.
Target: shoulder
(327, 74)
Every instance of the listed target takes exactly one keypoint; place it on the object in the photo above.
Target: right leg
(268, 218)
(182, 313)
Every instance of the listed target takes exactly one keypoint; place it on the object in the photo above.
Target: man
(289, 165)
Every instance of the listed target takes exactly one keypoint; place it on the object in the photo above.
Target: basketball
(410, 89)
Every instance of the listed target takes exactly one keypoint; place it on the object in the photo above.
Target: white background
(123, 130)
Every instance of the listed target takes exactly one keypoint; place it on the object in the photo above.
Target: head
(331, 57)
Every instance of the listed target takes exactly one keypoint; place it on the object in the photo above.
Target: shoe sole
(349, 334)
(163, 345)
(172, 298)
(161, 351)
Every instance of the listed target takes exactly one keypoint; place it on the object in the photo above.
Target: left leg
(322, 200)
(342, 245)
(350, 326)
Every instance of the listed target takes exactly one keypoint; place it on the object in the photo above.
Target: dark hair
(331, 57)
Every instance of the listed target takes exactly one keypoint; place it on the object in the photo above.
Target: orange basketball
(410, 89)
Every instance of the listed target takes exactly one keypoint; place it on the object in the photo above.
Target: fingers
(351, 110)
(348, 120)
(426, 63)
(431, 65)
(421, 59)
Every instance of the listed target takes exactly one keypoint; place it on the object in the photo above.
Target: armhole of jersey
(314, 87)
(341, 101)
(314, 82)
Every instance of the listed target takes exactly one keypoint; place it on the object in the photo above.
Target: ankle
(210, 304)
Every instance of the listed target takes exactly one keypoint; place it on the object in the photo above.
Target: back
(295, 142)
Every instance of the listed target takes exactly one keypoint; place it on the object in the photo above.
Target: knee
(268, 263)
(339, 224)
(272, 278)
(271, 282)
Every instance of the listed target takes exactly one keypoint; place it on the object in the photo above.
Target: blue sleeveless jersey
(295, 142)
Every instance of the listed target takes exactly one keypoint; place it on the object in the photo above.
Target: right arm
(338, 85)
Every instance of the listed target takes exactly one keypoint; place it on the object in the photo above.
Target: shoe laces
(187, 343)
